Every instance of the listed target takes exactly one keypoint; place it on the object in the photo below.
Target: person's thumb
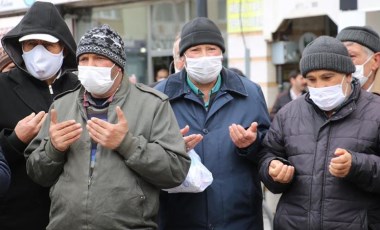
(120, 115)
(53, 116)
(253, 127)
(339, 152)
(185, 130)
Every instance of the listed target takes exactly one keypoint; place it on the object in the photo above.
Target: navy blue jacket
(234, 199)
(5, 174)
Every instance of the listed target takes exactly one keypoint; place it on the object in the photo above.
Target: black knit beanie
(103, 41)
(363, 35)
(326, 53)
(200, 31)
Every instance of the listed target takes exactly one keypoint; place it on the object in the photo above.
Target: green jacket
(125, 186)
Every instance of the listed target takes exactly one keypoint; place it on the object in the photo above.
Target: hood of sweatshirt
(41, 18)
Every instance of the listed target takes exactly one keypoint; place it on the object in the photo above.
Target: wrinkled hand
(192, 140)
(63, 134)
(107, 134)
(28, 128)
(280, 172)
(341, 164)
(243, 138)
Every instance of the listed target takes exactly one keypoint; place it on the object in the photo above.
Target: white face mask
(204, 69)
(41, 63)
(359, 73)
(96, 80)
(328, 98)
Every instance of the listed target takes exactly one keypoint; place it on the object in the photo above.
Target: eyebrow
(322, 75)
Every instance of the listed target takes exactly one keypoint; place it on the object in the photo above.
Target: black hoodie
(26, 204)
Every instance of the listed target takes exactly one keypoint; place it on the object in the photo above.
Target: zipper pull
(51, 90)
(89, 181)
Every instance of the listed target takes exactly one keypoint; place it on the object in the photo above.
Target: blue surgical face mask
(328, 98)
(41, 63)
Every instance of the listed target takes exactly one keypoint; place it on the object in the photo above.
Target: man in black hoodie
(43, 49)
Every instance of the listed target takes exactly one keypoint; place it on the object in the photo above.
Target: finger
(94, 136)
(275, 163)
(185, 130)
(53, 116)
(95, 131)
(340, 166)
(282, 173)
(339, 152)
(277, 169)
(289, 174)
(41, 121)
(337, 173)
(232, 134)
(39, 116)
(237, 132)
(120, 115)
(72, 132)
(29, 117)
(342, 159)
(98, 124)
(195, 139)
(253, 127)
(62, 125)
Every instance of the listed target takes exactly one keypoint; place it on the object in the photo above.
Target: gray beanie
(103, 41)
(200, 31)
(363, 35)
(326, 53)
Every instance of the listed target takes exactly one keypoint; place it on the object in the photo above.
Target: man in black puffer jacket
(322, 150)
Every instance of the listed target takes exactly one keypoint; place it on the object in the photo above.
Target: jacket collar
(176, 85)
(376, 83)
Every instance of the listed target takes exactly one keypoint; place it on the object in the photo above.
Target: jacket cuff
(14, 141)
(128, 146)
(354, 166)
(253, 148)
(53, 153)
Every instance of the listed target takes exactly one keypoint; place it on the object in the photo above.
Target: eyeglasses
(54, 48)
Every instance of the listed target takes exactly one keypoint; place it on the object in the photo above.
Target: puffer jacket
(123, 192)
(305, 137)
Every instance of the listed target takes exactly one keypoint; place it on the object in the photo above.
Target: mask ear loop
(345, 91)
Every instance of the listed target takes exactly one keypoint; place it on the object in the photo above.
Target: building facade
(264, 38)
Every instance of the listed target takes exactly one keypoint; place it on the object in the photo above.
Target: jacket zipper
(51, 90)
(324, 177)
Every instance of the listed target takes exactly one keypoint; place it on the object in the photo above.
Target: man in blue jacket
(231, 115)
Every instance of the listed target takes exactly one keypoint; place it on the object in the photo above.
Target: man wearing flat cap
(322, 151)
(363, 45)
(227, 115)
(43, 50)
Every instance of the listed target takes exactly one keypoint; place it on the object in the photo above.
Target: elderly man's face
(203, 51)
(359, 55)
(326, 78)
